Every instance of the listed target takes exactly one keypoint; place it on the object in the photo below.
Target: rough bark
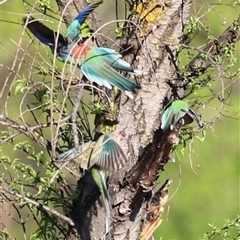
(136, 209)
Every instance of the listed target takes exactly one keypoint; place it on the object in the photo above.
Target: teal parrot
(101, 157)
(97, 64)
(179, 111)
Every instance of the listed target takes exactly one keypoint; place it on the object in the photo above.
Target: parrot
(104, 155)
(97, 64)
(178, 111)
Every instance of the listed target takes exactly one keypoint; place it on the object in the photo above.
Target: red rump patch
(80, 51)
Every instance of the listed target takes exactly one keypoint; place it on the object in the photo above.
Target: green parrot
(98, 64)
(103, 156)
(178, 111)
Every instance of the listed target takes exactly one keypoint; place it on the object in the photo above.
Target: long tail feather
(100, 180)
(121, 82)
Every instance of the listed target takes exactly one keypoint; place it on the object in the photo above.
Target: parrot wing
(44, 34)
(97, 70)
(108, 155)
(114, 59)
(74, 28)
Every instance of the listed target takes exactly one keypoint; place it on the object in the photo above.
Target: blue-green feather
(111, 157)
(100, 180)
(98, 66)
(179, 110)
(112, 58)
(173, 114)
(74, 28)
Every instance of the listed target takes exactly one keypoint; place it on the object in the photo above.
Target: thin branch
(38, 205)
(27, 130)
(215, 48)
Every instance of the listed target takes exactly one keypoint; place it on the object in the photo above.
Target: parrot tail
(99, 178)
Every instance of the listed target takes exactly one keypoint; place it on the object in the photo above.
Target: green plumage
(104, 155)
(99, 64)
(179, 112)
(100, 180)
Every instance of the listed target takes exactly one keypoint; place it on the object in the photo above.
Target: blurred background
(205, 174)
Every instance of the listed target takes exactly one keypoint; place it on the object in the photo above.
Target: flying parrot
(104, 155)
(97, 64)
(179, 111)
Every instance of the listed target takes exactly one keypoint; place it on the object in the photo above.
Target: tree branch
(213, 49)
(38, 205)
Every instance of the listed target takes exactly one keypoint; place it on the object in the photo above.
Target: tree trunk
(147, 149)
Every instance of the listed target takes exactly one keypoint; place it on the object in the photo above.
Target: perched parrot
(102, 156)
(97, 64)
(176, 112)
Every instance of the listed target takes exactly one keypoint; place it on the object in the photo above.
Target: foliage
(230, 231)
(36, 191)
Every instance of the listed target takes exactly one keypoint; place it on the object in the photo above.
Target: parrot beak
(191, 116)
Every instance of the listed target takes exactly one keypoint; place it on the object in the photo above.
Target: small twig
(214, 48)
(26, 130)
(74, 113)
(38, 205)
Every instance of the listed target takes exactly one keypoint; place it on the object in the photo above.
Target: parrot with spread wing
(97, 64)
(104, 155)
(178, 111)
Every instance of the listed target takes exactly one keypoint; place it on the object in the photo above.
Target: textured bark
(146, 147)
(136, 209)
